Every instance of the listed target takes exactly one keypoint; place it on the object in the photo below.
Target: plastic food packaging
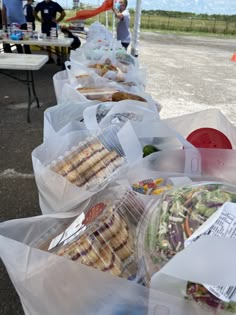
(91, 162)
(96, 93)
(166, 226)
(103, 236)
(151, 186)
(209, 138)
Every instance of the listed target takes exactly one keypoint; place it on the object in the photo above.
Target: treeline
(177, 14)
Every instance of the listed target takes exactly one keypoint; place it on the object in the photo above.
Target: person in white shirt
(122, 14)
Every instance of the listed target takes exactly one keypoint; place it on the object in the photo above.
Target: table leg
(33, 88)
(63, 57)
(30, 87)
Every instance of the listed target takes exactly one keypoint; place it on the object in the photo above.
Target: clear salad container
(103, 236)
(167, 224)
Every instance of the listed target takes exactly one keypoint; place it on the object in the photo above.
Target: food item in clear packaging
(120, 96)
(124, 58)
(86, 251)
(108, 261)
(87, 164)
(151, 187)
(175, 218)
(122, 243)
(103, 94)
(200, 294)
(105, 167)
(102, 237)
(102, 69)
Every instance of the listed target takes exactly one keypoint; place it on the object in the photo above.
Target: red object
(94, 212)
(86, 14)
(209, 138)
(233, 58)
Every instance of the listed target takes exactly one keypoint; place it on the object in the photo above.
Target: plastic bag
(98, 31)
(179, 168)
(210, 118)
(59, 80)
(81, 76)
(69, 169)
(63, 118)
(39, 277)
(106, 114)
(154, 132)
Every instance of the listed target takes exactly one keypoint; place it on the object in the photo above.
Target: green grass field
(158, 22)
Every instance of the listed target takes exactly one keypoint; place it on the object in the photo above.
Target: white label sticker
(180, 180)
(223, 224)
(70, 233)
(45, 11)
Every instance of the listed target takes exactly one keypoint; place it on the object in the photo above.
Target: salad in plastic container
(102, 236)
(166, 226)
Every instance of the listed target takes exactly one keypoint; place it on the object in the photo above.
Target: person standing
(48, 10)
(29, 13)
(122, 14)
(12, 12)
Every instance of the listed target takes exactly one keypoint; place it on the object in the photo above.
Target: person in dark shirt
(48, 10)
(29, 13)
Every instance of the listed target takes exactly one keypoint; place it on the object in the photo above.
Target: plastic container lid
(103, 236)
(209, 138)
(162, 230)
(93, 162)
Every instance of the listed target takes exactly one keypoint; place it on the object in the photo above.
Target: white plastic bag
(105, 114)
(59, 80)
(56, 192)
(62, 118)
(98, 32)
(40, 281)
(209, 118)
(180, 167)
(135, 136)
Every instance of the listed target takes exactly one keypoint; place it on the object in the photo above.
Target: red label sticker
(94, 212)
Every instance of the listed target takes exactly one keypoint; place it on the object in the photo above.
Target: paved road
(185, 74)
(188, 74)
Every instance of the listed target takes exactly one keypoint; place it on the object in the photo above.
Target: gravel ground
(185, 74)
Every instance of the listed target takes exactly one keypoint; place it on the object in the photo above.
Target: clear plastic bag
(210, 118)
(71, 168)
(65, 117)
(59, 80)
(39, 277)
(106, 114)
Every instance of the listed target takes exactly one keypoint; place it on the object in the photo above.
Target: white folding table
(62, 43)
(27, 63)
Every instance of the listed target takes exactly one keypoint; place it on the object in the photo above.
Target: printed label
(223, 224)
(70, 233)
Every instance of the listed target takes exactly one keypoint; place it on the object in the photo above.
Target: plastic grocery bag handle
(211, 251)
(131, 132)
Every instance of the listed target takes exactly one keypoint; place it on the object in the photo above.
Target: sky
(195, 6)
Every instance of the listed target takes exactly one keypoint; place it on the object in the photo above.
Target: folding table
(27, 63)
